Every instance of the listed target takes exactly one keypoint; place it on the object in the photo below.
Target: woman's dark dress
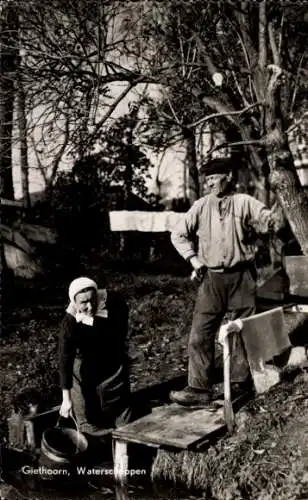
(93, 364)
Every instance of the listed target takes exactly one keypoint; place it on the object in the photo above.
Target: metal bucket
(63, 445)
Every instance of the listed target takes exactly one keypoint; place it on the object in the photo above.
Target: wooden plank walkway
(169, 426)
(172, 426)
(176, 426)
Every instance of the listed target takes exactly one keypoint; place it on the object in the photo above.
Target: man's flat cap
(216, 166)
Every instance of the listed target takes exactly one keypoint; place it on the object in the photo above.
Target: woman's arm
(67, 404)
(67, 353)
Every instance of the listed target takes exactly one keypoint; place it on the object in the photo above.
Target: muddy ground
(160, 314)
(266, 459)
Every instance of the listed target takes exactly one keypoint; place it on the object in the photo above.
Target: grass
(267, 457)
(160, 314)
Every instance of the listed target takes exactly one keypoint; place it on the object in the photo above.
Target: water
(21, 489)
(32, 484)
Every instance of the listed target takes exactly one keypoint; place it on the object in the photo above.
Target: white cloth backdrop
(135, 220)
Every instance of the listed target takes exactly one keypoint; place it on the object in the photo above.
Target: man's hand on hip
(199, 270)
(196, 263)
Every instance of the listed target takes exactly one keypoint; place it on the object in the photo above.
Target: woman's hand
(66, 409)
(67, 404)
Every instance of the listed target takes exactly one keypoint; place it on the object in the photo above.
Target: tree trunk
(256, 162)
(8, 64)
(283, 177)
(191, 166)
(22, 126)
(290, 195)
(128, 181)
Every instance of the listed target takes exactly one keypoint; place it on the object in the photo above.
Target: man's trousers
(219, 293)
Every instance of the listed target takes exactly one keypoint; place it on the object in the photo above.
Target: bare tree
(240, 63)
(23, 142)
(72, 52)
(72, 55)
(8, 68)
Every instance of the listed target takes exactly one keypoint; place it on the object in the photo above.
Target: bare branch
(223, 145)
(245, 35)
(111, 109)
(262, 35)
(181, 45)
(191, 65)
(171, 107)
(39, 163)
(275, 79)
(246, 57)
(281, 34)
(296, 83)
(60, 153)
(241, 93)
(273, 45)
(237, 84)
(297, 122)
(223, 110)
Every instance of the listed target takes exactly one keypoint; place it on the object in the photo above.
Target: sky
(170, 164)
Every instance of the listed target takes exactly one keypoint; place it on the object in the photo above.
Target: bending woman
(93, 361)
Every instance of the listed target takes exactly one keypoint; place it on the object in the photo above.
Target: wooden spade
(228, 408)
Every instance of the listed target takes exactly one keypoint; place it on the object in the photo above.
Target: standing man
(224, 264)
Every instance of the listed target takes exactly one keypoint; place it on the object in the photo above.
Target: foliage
(69, 55)
(94, 175)
(119, 152)
(99, 182)
(238, 65)
(186, 43)
(242, 63)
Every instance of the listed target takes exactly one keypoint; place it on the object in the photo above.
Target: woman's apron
(104, 405)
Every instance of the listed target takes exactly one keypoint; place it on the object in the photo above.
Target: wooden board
(271, 289)
(173, 426)
(297, 270)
